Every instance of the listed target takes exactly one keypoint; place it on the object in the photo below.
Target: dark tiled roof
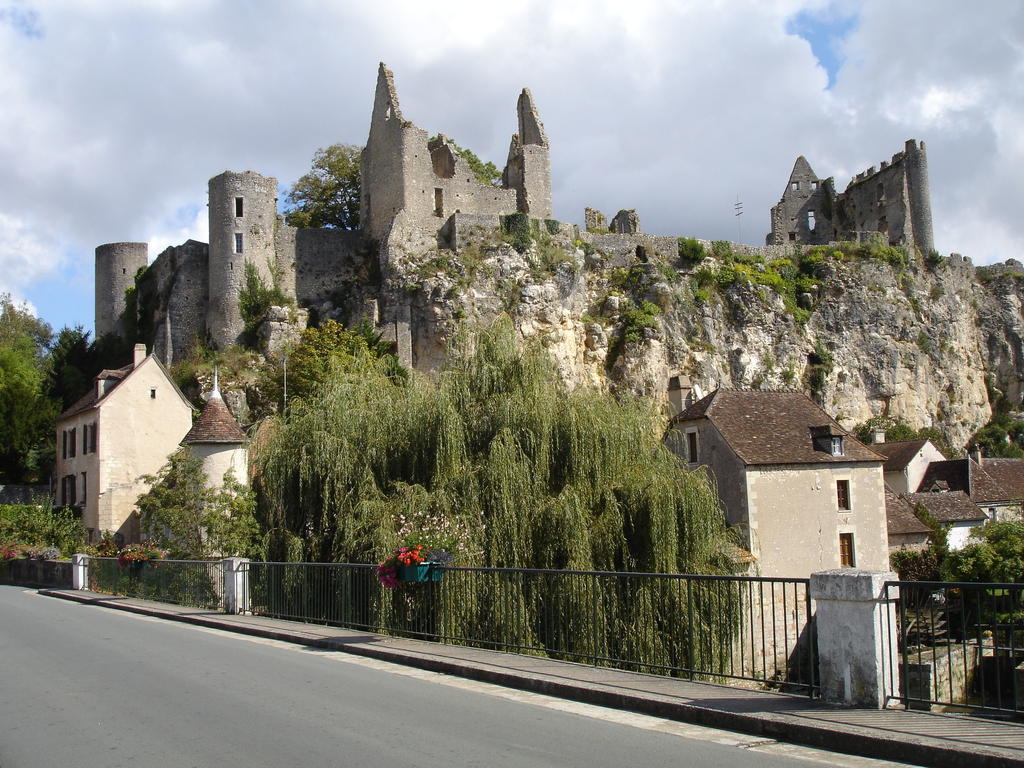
(898, 454)
(89, 399)
(1009, 473)
(215, 425)
(774, 427)
(948, 507)
(900, 517)
(964, 475)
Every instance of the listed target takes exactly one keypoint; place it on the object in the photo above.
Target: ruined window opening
(438, 201)
(810, 220)
(847, 557)
(843, 494)
(814, 185)
(238, 242)
(792, 235)
(124, 271)
(238, 207)
(881, 192)
(691, 447)
(231, 266)
(794, 185)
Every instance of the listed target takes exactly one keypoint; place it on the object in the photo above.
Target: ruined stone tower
(804, 214)
(243, 214)
(116, 266)
(421, 182)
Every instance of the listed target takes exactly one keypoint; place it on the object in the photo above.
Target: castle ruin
(419, 194)
(893, 201)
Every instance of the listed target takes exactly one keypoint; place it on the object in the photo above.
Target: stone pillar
(236, 585)
(79, 571)
(858, 661)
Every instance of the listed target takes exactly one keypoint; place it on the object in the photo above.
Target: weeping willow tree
(517, 471)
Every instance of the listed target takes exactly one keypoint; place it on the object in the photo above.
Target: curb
(849, 739)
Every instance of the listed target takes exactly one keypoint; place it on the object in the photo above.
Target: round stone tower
(920, 196)
(243, 215)
(116, 266)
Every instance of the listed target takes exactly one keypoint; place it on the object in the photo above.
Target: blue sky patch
(23, 20)
(825, 30)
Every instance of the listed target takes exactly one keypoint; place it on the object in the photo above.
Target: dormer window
(828, 439)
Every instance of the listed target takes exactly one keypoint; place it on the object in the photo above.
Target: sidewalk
(919, 738)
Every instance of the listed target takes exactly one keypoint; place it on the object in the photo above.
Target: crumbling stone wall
(804, 214)
(173, 300)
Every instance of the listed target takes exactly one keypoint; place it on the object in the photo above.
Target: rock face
(931, 345)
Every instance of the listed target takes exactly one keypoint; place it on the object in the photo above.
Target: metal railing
(961, 645)
(718, 628)
(195, 583)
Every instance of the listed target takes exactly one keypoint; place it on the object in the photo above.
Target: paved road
(83, 686)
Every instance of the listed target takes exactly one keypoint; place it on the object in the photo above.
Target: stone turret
(243, 215)
(920, 196)
(219, 442)
(116, 267)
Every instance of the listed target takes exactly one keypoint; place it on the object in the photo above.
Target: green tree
(327, 196)
(255, 298)
(1001, 437)
(26, 413)
(41, 526)
(996, 554)
(72, 364)
(190, 520)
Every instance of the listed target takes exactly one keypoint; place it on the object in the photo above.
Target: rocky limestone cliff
(931, 345)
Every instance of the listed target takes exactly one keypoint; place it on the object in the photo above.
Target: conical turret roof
(215, 424)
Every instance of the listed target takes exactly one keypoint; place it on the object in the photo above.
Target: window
(438, 201)
(843, 493)
(72, 442)
(152, 393)
(85, 439)
(64, 444)
(792, 235)
(691, 447)
(814, 185)
(67, 491)
(837, 445)
(810, 220)
(238, 242)
(84, 486)
(847, 556)
(794, 185)
(238, 207)
(92, 440)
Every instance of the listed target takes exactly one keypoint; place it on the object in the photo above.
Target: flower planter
(420, 572)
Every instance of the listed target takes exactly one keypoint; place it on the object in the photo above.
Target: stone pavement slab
(920, 738)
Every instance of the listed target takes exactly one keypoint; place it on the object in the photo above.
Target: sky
(117, 112)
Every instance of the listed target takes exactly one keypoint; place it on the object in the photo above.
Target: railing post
(236, 585)
(855, 647)
(79, 571)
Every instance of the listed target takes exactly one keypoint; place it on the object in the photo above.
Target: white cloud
(26, 255)
(117, 113)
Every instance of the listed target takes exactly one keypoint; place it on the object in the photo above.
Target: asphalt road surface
(85, 687)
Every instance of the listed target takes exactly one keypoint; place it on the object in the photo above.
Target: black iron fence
(36, 573)
(961, 645)
(196, 583)
(697, 627)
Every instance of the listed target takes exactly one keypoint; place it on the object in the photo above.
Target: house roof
(765, 427)
(948, 507)
(900, 517)
(90, 398)
(215, 424)
(114, 377)
(898, 453)
(1009, 473)
(964, 475)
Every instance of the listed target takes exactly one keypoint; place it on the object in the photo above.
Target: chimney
(976, 453)
(101, 388)
(138, 355)
(678, 394)
(878, 436)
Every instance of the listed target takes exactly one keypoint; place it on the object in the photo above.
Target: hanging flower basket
(425, 571)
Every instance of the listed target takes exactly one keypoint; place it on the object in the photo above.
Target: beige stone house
(805, 493)
(906, 462)
(123, 428)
